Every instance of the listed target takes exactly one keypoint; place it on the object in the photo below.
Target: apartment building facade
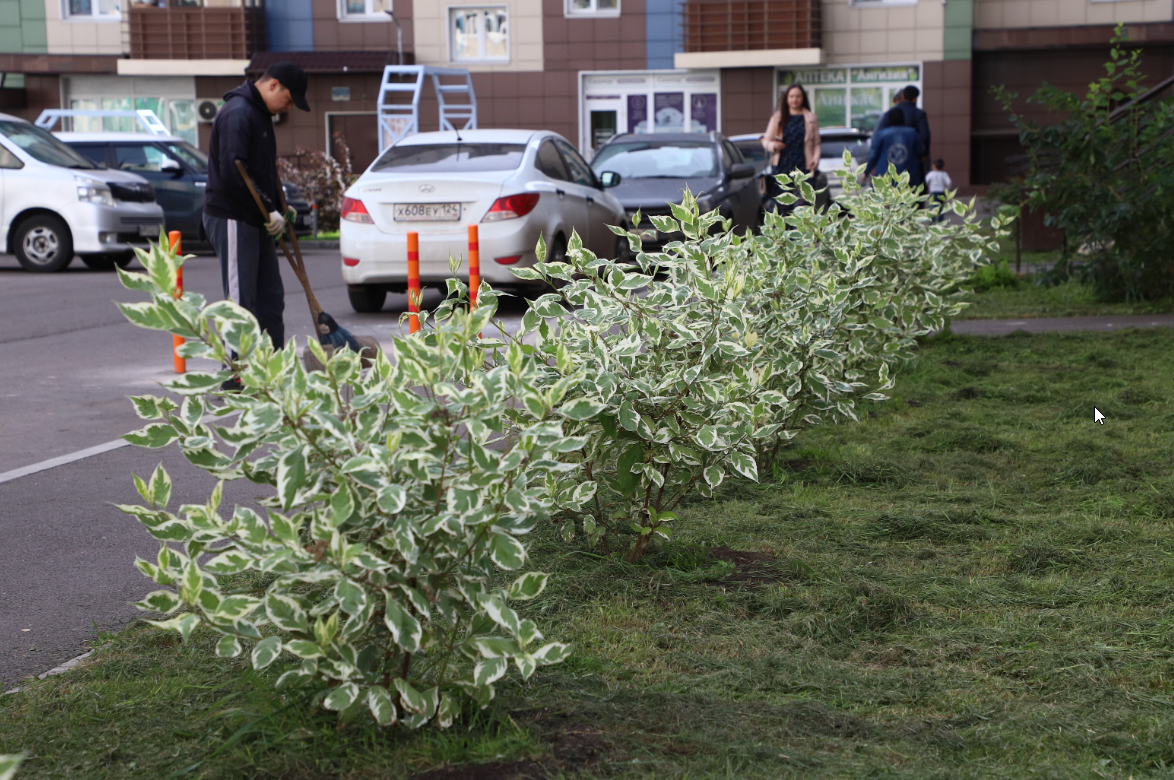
(584, 68)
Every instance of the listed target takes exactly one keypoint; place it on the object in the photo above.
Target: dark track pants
(250, 272)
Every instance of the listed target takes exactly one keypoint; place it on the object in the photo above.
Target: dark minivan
(178, 170)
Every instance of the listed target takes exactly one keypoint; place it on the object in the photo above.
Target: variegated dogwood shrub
(370, 569)
(652, 366)
(838, 297)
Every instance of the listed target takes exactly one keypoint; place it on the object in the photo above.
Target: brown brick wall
(615, 43)
(747, 100)
(548, 100)
(946, 99)
(332, 35)
(42, 92)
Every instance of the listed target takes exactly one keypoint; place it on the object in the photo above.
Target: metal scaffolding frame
(397, 119)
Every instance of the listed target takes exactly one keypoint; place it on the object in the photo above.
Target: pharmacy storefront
(851, 95)
(172, 98)
(615, 102)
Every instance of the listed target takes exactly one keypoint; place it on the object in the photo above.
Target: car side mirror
(610, 179)
(742, 171)
(171, 166)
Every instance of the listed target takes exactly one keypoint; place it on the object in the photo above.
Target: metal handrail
(144, 116)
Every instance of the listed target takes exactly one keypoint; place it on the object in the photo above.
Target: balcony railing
(195, 33)
(750, 25)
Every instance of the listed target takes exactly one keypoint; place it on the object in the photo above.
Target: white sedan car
(515, 185)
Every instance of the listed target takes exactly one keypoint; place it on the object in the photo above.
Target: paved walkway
(1060, 324)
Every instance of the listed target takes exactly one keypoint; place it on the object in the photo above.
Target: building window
(479, 34)
(364, 10)
(93, 10)
(593, 7)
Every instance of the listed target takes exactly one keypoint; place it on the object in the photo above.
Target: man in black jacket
(914, 117)
(242, 238)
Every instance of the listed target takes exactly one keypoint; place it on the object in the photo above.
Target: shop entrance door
(603, 121)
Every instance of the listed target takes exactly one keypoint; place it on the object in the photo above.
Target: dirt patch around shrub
(573, 746)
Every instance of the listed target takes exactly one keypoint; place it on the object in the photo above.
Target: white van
(54, 204)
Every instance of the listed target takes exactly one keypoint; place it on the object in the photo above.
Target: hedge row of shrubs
(399, 490)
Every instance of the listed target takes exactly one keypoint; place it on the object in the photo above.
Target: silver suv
(54, 204)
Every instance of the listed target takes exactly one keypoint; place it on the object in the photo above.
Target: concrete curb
(65, 667)
(309, 243)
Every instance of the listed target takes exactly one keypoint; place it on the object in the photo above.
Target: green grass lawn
(1028, 300)
(973, 582)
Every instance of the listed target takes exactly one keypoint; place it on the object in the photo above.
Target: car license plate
(150, 231)
(427, 212)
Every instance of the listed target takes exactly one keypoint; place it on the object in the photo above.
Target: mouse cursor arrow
(1097, 416)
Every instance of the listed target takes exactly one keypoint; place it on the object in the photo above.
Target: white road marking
(45, 465)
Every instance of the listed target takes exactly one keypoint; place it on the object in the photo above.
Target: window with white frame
(593, 7)
(93, 10)
(364, 10)
(479, 34)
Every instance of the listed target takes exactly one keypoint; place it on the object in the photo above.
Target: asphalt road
(68, 361)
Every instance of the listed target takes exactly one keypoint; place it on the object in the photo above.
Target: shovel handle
(298, 267)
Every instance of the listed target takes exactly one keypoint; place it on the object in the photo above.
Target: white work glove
(276, 224)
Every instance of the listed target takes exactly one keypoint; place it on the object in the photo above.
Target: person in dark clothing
(898, 145)
(242, 238)
(914, 117)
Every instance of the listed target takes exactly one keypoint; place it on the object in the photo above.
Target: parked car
(655, 170)
(833, 142)
(55, 204)
(178, 170)
(516, 185)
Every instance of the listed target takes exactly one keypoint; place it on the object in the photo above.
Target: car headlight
(90, 191)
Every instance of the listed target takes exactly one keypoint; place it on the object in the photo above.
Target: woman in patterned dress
(791, 139)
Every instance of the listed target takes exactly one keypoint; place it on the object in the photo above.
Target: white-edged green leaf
(381, 705)
(391, 499)
(228, 647)
(490, 670)
(341, 697)
(506, 551)
(266, 651)
(164, 601)
(405, 629)
(528, 586)
(411, 699)
(581, 409)
(286, 613)
(744, 465)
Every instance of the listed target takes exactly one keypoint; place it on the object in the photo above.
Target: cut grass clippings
(973, 582)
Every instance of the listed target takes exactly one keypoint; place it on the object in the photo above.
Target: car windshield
(451, 158)
(43, 146)
(753, 152)
(192, 157)
(834, 146)
(658, 160)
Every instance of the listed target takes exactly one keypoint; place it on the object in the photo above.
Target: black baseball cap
(292, 77)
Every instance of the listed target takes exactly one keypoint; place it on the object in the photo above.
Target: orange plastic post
(413, 281)
(474, 266)
(181, 364)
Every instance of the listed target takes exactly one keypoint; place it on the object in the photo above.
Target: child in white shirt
(937, 182)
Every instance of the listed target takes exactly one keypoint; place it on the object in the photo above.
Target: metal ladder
(397, 118)
(145, 116)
